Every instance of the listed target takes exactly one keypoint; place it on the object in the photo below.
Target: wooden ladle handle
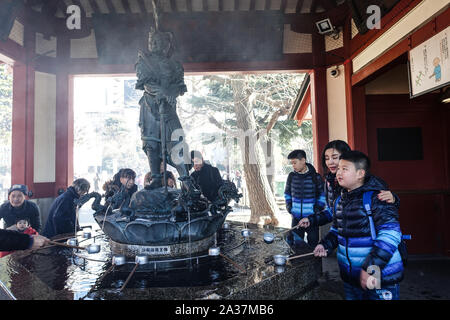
(65, 245)
(129, 277)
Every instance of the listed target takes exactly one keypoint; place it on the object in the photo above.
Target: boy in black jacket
(304, 195)
(366, 232)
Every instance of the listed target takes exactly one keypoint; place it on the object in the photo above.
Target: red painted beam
(424, 33)
(64, 138)
(19, 124)
(360, 119)
(319, 112)
(360, 42)
(290, 62)
(13, 51)
(348, 70)
(64, 119)
(304, 105)
(44, 190)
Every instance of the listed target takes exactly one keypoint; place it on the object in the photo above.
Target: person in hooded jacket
(364, 245)
(304, 196)
(62, 213)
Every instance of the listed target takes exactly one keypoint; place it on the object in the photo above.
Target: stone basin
(63, 274)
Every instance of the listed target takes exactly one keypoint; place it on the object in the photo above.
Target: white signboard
(151, 251)
(429, 64)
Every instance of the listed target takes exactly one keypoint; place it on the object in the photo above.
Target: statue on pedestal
(162, 79)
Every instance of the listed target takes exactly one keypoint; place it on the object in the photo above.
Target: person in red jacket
(22, 226)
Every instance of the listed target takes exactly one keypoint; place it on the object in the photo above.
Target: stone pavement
(426, 278)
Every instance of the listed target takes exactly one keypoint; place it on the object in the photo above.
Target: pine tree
(256, 104)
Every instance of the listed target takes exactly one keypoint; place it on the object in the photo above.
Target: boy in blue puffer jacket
(365, 244)
(304, 195)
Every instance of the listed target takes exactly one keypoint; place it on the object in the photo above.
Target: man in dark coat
(62, 214)
(18, 207)
(13, 240)
(206, 176)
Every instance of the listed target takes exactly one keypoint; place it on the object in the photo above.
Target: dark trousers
(312, 237)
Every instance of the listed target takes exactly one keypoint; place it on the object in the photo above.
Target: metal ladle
(72, 243)
(281, 260)
(65, 245)
(93, 248)
(139, 259)
(270, 237)
(86, 234)
(117, 260)
(245, 233)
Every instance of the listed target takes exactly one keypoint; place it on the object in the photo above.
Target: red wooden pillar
(355, 97)
(64, 118)
(319, 100)
(359, 118)
(22, 140)
(319, 110)
(348, 71)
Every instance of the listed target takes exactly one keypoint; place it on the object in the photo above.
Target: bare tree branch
(275, 117)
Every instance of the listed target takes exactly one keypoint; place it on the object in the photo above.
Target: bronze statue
(162, 79)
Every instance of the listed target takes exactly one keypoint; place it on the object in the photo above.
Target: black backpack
(367, 200)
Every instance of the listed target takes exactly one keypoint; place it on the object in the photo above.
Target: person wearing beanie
(18, 206)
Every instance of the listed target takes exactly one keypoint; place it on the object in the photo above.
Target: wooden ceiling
(49, 16)
(58, 7)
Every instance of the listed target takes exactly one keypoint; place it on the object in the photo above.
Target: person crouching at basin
(62, 214)
(206, 176)
(22, 226)
(366, 232)
(170, 177)
(127, 178)
(18, 206)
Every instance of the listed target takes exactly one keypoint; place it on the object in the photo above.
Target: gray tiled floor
(426, 278)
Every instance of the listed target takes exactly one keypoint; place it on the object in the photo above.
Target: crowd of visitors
(22, 217)
(365, 226)
(363, 214)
